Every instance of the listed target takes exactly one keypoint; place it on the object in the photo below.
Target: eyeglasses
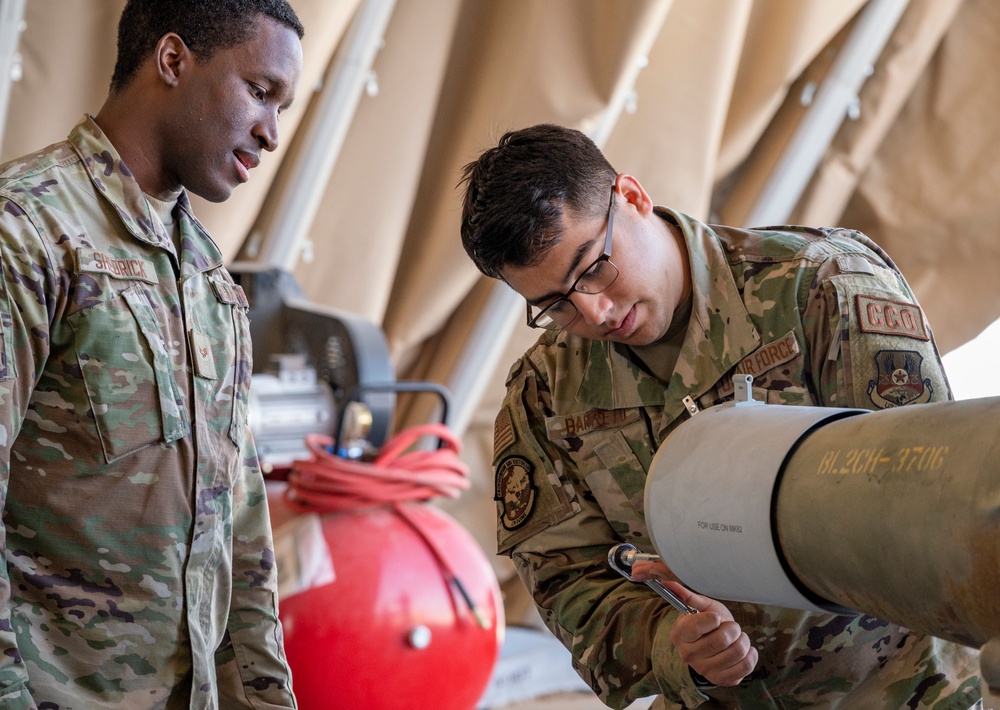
(596, 278)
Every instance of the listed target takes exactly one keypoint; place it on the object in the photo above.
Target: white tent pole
(836, 96)
(481, 355)
(11, 26)
(280, 239)
(504, 307)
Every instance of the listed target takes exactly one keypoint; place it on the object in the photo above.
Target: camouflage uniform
(140, 570)
(818, 317)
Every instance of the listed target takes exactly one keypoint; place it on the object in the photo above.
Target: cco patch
(515, 491)
(885, 317)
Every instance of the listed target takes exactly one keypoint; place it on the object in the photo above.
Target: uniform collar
(720, 333)
(112, 178)
(115, 182)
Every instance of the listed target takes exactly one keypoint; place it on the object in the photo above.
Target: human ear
(171, 56)
(633, 193)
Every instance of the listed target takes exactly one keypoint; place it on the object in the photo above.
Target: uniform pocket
(612, 450)
(127, 374)
(618, 484)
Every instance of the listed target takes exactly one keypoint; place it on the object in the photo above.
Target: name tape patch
(99, 262)
(885, 317)
(585, 422)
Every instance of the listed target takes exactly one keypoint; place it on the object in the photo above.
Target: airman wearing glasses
(646, 312)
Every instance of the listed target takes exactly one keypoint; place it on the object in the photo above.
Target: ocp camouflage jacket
(818, 317)
(140, 570)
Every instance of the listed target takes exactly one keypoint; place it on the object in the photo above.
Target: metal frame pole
(833, 101)
(11, 25)
(279, 241)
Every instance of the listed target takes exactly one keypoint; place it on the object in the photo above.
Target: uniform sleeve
(254, 629)
(28, 291)
(550, 524)
(870, 345)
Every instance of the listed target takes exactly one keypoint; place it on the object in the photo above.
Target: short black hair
(206, 26)
(517, 192)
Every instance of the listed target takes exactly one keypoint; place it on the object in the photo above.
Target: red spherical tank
(394, 630)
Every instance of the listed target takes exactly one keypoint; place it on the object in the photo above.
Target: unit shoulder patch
(899, 380)
(885, 317)
(515, 491)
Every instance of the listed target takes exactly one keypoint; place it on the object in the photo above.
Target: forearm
(28, 290)
(617, 631)
(14, 693)
(253, 618)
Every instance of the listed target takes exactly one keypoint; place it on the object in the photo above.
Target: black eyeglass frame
(605, 256)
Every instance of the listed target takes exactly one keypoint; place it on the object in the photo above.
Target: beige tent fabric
(716, 94)
(361, 226)
(68, 53)
(881, 98)
(782, 39)
(509, 66)
(670, 139)
(930, 194)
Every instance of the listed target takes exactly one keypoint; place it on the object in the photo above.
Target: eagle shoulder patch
(899, 380)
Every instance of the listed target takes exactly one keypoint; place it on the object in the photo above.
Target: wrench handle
(674, 600)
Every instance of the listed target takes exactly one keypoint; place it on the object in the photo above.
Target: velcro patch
(99, 262)
(560, 427)
(516, 491)
(503, 432)
(769, 356)
(885, 317)
(241, 296)
(230, 294)
(899, 380)
(204, 357)
(855, 264)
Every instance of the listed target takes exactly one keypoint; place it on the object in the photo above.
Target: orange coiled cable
(330, 483)
(327, 483)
